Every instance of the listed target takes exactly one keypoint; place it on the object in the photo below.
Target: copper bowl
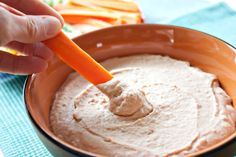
(201, 50)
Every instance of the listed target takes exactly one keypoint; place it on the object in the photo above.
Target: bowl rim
(74, 150)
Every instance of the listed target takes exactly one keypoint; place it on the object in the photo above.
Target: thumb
(30, 29)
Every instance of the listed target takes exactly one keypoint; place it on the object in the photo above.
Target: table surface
(17, 138)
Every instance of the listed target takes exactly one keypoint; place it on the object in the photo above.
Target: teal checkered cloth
(17, 137)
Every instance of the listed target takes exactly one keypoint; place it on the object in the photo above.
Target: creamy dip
(185, 110)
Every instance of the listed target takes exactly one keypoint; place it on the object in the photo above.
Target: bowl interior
(201, 50)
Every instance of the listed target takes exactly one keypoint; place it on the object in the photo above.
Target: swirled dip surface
(189, 111)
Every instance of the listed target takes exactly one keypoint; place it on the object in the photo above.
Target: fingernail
(53, 26)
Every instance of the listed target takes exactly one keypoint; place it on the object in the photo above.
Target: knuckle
(31, 28)
(29, 49)
(36, 49)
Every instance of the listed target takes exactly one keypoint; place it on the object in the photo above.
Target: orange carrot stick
(85, 4)
(69, 6)
(78, 59)
(113, 4)
(74, 19)
(94, 22)
(59, 7)
(72, 16)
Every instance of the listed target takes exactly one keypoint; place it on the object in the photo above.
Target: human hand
(24, 33)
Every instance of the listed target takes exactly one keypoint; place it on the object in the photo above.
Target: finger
(21, 64)
(36, 49)
(12, 10)
(5, 26)
(33, 7)
(30, 29)
(27, 29)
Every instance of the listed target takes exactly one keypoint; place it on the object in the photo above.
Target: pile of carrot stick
(88, 15)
